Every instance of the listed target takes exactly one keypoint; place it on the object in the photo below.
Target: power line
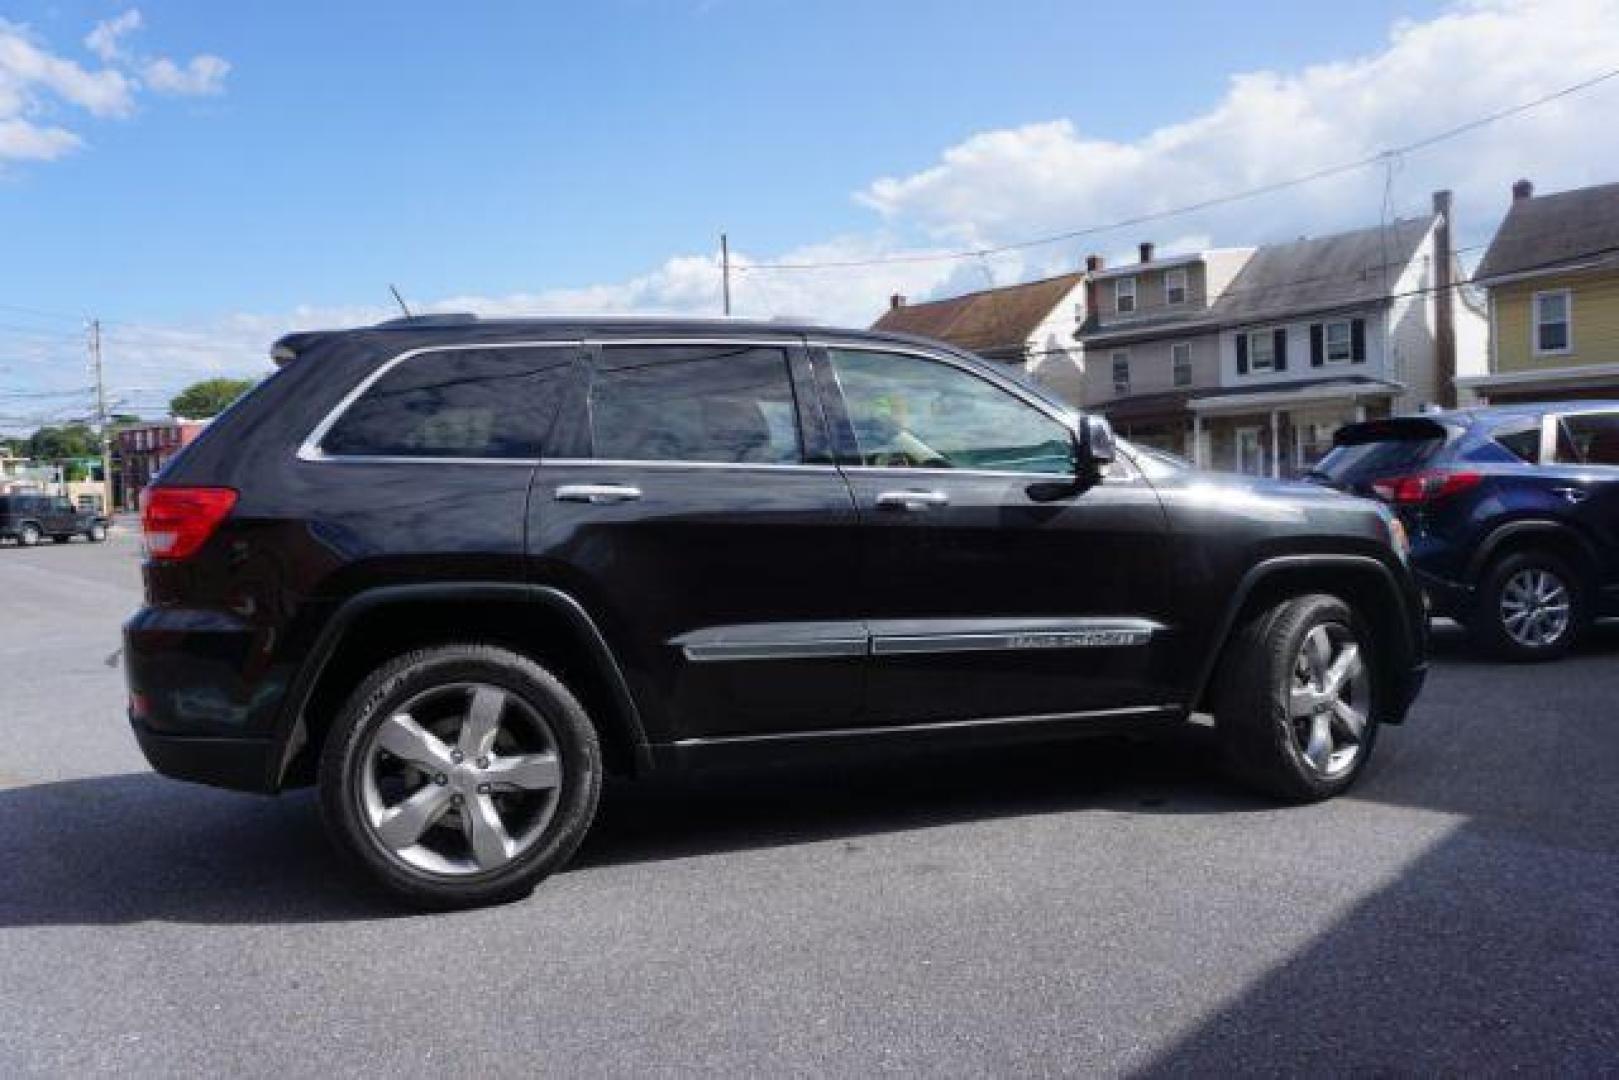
(1380, 157)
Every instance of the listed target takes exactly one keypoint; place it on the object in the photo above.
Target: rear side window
(1588, 439)
(1523, 443)
(471, 403)
(725, 404)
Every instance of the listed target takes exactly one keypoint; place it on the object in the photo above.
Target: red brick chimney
(1444, 300)
(1093, 266)
(896, 302)
(1523, 189)
(1146, 251)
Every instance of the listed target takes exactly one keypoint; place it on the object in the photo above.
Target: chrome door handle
(1573, 494)
(912, 500)
(597, 493)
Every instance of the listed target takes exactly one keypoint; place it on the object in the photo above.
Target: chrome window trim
(669, 463)
(310, 449)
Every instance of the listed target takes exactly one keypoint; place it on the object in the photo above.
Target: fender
(1279, 564)
(292, 732)
(1522, 527)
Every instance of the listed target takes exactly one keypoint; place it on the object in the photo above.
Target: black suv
(28, 519)
(455, 570)
(1513, 514)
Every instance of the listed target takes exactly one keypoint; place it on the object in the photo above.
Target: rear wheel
(460, 775)
(1531, 606)
(96, 533)
(28, 535)
(1295, 702)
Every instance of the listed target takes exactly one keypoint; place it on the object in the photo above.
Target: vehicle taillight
(176, 521)
(1425, 486)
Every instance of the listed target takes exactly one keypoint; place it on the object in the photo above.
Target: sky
(203, 177)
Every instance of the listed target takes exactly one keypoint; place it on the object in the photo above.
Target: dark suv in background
(453, 570)
(28, 519)
(1513, 514)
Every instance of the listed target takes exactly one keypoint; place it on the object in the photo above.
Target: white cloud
(106, 38)
(36, 82)
(202, 75)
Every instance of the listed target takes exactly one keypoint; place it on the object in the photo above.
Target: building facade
(1552, 277)
(139, 453)
(1249, 360)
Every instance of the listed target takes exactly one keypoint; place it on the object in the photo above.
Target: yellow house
(1552, 273)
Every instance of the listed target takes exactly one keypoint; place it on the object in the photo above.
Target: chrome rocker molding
(812, 641)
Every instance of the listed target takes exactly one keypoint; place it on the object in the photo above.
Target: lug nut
(483, 763)
(483, 789)
(441, 779)
(456, 799)
(456, 756)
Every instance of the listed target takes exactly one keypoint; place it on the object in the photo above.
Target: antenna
(402, 305)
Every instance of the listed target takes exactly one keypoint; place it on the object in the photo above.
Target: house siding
(1595, 322)
(1152, 296)
(1152, 367)
(1055, 359)
(1299, 368)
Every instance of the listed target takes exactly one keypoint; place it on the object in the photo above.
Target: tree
(208, 398)
(60, 443)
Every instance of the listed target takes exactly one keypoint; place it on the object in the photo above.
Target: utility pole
(725, 271)
(101, 418)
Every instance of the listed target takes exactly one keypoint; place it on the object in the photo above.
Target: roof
(1322, 273)
(1300, 277)
(1167, 402)
(988, 321)
(1550, 232)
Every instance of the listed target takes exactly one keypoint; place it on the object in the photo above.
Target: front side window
(1175, 287)
(907, 412)
(1588, 439)
(728, 404)
(1262, 350)
(1121, 373)
(1180, 357)
(455, 403)
(1339, 341)
(1552, 322)
(1124, 295)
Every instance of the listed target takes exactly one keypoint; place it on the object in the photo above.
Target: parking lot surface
(1096, 908)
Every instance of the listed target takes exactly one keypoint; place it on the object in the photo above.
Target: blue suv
(1512, 511)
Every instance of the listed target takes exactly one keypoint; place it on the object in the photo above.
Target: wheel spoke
(482, 722)
(1318, 653)
(1318, 751)
(1301, 702)
(1349, 718)
(486, 833)
(1344, 668)
(530, 772)
(407, 740)
(402, 825)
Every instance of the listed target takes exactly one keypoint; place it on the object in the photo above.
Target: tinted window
(910, 412)
(730, 404)
(474, 403)
(1384, 457)
(1523, 443)
(1588, 439)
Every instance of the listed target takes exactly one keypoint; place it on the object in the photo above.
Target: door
(994, 585)
(1251, 452)
(702, 518)
(1580, 464)
(60, 518)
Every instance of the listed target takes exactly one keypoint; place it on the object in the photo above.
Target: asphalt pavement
(1099, 908)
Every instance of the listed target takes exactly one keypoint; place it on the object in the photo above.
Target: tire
(544, 759)
(1538, 582)
(28, 535)
(1273, 700)
(96, 533)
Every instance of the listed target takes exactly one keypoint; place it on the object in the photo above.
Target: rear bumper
(236, 763)
(1445, 597)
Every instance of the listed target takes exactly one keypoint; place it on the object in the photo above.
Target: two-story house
(1552, 275)
(1029, 326)
(1288, 343)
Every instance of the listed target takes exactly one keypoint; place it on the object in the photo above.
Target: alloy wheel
(1535, 607)
(1329, 698)
(460, 780)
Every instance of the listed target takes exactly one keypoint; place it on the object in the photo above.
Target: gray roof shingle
(1548, 231)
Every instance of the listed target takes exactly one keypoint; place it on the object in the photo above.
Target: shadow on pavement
(139, 847)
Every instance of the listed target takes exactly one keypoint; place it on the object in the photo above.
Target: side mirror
(1094, 448)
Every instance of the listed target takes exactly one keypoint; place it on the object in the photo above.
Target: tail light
(176, 521)
(1424, 487)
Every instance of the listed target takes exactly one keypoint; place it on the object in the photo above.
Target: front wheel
(28, 535)
(1530, 607)
(96, 533)
(1295, 703)
(460, 775)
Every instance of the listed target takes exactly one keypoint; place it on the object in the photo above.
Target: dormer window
(1175, 287)
(1124, 295)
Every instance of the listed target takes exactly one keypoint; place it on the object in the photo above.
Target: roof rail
(446, 318)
